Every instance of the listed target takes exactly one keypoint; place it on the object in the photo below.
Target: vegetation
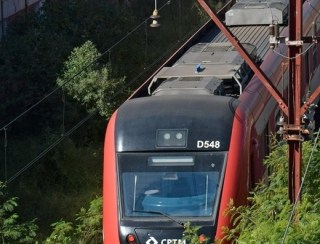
(11, 230)
(90, 84)
(191, 234)
(266, 219)
(88, 227)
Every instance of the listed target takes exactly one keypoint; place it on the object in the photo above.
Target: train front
(165, 158)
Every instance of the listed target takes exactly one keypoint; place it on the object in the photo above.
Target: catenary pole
(294, 99)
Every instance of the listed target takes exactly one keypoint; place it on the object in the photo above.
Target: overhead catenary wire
(308, 1)
(66, 134)
(86, 66)
(69, 132)
(48, 149)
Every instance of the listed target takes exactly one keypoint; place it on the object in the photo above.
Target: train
(193, 137)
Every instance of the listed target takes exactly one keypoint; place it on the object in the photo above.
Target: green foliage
(88, 82)
(266, 219)
(90, 227)
(87, 229)
(11, 230)
(61, 233)
(190, 234)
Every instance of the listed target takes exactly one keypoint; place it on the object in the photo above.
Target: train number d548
(208, 144)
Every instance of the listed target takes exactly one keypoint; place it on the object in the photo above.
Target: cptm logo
(153, 240)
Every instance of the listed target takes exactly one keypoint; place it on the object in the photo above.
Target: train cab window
(178, 190)
(172, 193)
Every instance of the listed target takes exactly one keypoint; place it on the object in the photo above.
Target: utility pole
(293, 108)
(294, 128)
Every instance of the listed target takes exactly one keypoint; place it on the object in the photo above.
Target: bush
(266, 219)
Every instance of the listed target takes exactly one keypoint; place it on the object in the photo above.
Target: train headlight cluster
(172, 138)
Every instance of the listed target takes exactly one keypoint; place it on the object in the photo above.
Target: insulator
(281, 121)
(271, 30)
(154, 24)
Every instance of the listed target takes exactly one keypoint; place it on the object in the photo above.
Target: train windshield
(175, 185)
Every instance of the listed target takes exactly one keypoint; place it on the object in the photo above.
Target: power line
(64, 135)
(53, 145)
(308, 1)
(77, 74)
(68, 133)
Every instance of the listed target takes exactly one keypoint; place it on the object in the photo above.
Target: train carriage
(196, 141)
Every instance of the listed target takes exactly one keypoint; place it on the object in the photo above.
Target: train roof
(248, 12)
(206, 64)
(202, 69)
(257, 36)
(200, 85)
(216, 59)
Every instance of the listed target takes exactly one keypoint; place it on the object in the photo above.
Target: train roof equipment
(248, 12)
(207, 69)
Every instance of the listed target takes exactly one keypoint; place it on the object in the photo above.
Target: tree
(89, 82)
(11, 230)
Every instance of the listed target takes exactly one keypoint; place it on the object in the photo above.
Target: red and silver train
(194, 137)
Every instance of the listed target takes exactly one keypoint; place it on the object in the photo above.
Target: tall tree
(89, 82)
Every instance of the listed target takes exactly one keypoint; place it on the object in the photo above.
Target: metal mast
(294, 100)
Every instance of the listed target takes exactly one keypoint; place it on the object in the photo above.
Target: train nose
(153, 236)
(163, 235)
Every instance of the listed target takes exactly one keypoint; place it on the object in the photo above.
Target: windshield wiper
(160, 213)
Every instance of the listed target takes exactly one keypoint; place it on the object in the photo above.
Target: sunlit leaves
(266, 219)
(89, 82)
(11, 228)
(87, 228)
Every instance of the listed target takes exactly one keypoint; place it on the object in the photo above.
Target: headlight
(172, 138)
